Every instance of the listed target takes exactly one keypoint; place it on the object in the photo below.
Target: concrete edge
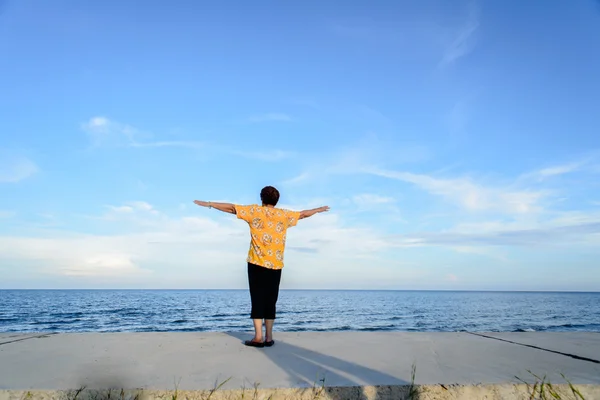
(416, 392)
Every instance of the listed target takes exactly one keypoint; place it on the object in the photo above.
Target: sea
(297, 310)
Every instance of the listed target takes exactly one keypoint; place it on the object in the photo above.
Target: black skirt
(264, 291)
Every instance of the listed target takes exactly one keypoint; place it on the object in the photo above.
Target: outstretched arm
(310, 213)
(225, 207)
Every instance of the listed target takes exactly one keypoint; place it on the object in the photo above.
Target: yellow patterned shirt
(268, 227)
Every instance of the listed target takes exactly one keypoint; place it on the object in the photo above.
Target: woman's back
(268, 228)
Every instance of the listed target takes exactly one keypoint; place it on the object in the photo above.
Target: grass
(540, 389)
(412, 389)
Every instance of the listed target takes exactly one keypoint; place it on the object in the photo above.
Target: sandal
(252, 343)
(269, 343)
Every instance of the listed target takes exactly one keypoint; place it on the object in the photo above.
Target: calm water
(204, 310)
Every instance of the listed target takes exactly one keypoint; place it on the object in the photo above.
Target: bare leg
(258, 334)
(269, 326)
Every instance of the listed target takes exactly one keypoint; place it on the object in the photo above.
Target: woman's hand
(225, 207)
(310, 213)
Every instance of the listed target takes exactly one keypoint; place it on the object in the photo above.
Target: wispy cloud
(143, 206)
(14, 168)
(468, 194)
(486, 251)
(105, 132)
(372, 203)
(556, 170)
(559, 170)
(270, 117)
(567, 228)
(303, 177)
(583, 164)
(353, 159)
(517, 196)
(464, 40)
(131, 209)
(566, 235)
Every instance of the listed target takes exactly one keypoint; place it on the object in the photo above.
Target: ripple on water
(147, 310)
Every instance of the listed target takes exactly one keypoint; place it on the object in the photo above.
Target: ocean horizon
(304, 290)
(227, 310)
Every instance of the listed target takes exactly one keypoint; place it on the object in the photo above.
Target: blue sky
(457, 143)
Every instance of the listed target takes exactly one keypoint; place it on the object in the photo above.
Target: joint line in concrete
(575, 356)
(27, 338)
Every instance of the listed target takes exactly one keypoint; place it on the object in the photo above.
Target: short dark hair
(269, 196)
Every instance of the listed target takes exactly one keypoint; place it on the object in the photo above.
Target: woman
(268, 227)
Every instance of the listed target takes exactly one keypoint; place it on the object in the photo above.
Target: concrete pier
(191, 362)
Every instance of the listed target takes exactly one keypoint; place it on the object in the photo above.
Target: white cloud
(555, 233)
(121, 209)
(303, 177)
(559, 170)
(270, 117)
(130, 208)
(105, 132)
(555, 170)
(142, 205)
(469, 195)
(104, 265)
(464, 40)
(15, 168)
(487, 251)
(353, 159)
(98, 123)
(185, 252)
(208, 250)
(574, 218)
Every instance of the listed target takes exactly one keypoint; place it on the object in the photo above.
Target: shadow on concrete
(308, 368)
